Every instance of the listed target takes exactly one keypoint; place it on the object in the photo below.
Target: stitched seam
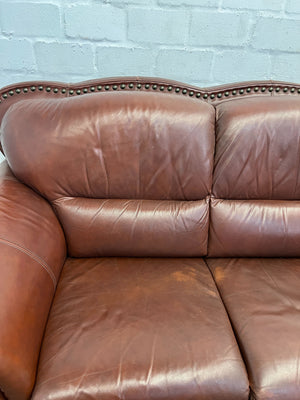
(34, 256)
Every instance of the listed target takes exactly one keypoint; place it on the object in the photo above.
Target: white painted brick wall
(202, 42)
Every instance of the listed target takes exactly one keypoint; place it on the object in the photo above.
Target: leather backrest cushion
(121, 146)
(256, 178)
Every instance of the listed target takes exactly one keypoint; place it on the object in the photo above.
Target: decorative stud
(106, 87)
(191, 93)
(48, 89)
(277, 89)
(248, 90)
(25, 90)
(115, 87)
(92, 88)
(139, 86)
(40, 88)
(219, 95)
(263, 89)
(130, 85)
(99, 87)
(212, 96)
(162, 88)
(285, 89)
(299, 91)
(234, 92)
(123, 86)
(184, 91)
(85, 90)
(154, 87)
(18, 91)
(147, 86)
(32, 88)
(170, 88)
(256, 89)
(177, 90)
(226, 94)
(205, 96)
(55, 90)
(11, 92)
(71, 91)
(241, 91)
(63, 90)
(198, 95)
(271, 89)
(292, 90)
(78, 91)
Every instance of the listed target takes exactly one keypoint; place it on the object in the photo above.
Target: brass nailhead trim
(155, 87)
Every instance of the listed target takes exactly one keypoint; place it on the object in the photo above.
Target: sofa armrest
(33, 250)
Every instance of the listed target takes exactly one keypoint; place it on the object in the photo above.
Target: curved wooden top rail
(214, 95)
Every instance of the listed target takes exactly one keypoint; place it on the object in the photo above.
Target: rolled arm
(32, 253)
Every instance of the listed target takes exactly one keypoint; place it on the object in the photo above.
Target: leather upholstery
(256, 169)
(32, 248)
(150, 170)
(262, 297)
(134, 227)
(130, 328)
(155, 147)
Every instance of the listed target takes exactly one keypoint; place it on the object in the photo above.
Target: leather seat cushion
(139, 328)
(262, 298)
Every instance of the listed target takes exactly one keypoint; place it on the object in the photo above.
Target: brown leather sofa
(149, 235)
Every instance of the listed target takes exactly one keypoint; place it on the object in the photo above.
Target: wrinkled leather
(112, 145)
(32, 248)
(262, 297)
(134, 227)
(257, 149)
(129, 328)
(261, 228)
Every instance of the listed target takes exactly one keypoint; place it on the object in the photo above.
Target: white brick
(157, 26)
(16, 55)
(213, 28)
(186, 66)
(274, 5)
(235, 66)
(30, 19)
(67, 57)
(277, 34)
(293, 6)
(198, 3)
(95, 22)
(286, 67)
(120, 61)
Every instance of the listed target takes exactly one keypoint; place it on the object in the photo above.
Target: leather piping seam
(34, 256)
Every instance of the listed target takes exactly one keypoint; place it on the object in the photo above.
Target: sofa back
(163, 170)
